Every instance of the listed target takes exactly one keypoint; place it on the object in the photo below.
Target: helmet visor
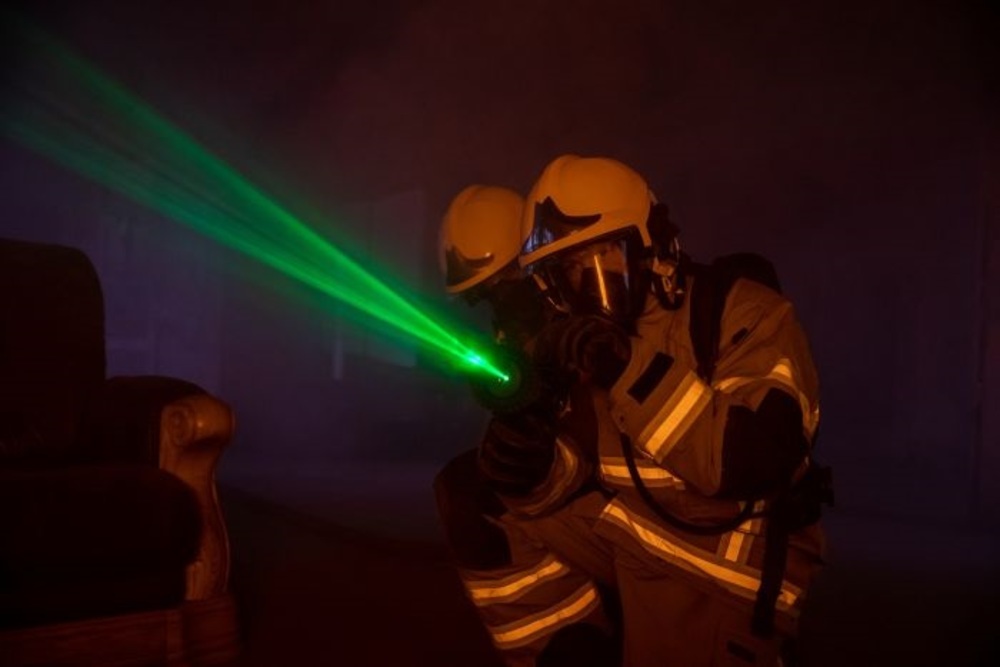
(593, 280)
(520, 311)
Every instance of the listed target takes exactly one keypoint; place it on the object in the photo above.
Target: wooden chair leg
(211, 633)
(135, 640)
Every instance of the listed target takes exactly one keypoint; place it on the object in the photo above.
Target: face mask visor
(520, 310)
(593, 280)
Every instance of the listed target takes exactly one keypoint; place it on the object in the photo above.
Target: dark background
(852, 142)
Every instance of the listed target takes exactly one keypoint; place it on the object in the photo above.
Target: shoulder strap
(710, 288)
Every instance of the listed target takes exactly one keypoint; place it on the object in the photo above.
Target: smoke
(841, 139)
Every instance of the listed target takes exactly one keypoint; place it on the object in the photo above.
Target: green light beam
(170, 144)
(91, 124)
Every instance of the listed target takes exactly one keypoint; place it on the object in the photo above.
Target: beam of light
(66, 109)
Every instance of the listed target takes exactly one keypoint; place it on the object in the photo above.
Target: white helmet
(481, 235)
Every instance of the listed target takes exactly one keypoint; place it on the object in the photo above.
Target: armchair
(113, 548)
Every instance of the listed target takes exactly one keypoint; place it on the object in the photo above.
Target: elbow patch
(761, 449)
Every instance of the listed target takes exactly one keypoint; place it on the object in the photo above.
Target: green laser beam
(168, 144)
(78, 116)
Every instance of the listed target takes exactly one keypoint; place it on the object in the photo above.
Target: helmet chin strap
(668, 283)
(550, 294)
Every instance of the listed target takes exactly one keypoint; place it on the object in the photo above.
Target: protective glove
(516, 453)
(593, 347)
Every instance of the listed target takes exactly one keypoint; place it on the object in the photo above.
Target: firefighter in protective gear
(707, 408)
(539, 607)
(478, 245)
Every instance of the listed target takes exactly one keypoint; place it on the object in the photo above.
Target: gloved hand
(593, 347)
(516, 453)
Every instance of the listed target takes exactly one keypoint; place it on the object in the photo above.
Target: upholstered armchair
(113, 548)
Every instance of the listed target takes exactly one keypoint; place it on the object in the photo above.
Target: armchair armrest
(193, 432)
(122, 422)
(177, 426)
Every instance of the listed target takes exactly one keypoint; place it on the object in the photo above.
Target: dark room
(438, 333)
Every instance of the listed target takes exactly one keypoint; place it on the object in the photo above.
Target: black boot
(581, 645)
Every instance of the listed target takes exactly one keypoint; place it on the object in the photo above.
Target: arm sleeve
(573, 464)
(749, 429)
(568, 473)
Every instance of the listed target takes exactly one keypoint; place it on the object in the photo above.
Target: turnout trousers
(559, 589)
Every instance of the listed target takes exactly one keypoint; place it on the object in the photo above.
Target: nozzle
(515, 386)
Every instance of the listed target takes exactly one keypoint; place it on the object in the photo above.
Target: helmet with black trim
(480, 236)
(596, 236)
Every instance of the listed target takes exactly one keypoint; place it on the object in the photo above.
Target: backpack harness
(793, 507)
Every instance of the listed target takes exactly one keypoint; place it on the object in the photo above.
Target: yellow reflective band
(675, 417)
(734, 541)
(664, 546)
(784, 373)
(514, 586)
(781, 372)
(614, 469)
(570, 610)
(736, 544)
(727, 384)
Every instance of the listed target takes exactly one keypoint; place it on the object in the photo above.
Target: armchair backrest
(52, 357)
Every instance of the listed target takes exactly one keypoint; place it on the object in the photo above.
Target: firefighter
(496, 502)
(707, 407)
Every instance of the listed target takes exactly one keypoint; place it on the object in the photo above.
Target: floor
(347, 569)
(313, 593)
